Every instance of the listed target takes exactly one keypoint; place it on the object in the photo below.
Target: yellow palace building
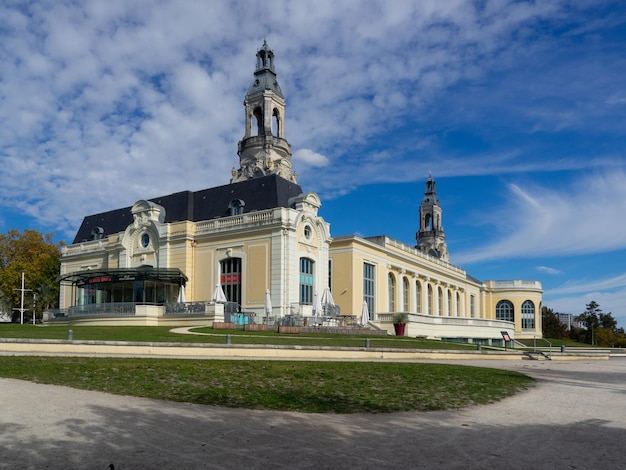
(259, 248)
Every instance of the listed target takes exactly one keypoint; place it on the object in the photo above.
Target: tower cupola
(431, 238)
(264, 149)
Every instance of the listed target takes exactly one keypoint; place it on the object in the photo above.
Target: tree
(34, 254)
(608, 322)
(590, 318)
(601, 327)
(551, 326)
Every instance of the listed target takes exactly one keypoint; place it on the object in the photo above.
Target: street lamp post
(21, 309)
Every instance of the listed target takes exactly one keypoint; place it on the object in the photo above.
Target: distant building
(569, 321)
(262, 235)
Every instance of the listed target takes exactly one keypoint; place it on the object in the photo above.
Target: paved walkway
(574, 418)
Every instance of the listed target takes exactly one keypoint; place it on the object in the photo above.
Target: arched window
(428, 222)
(418, 296)
(276, 123)
(528, 315)
(391, 288)
(440, 299)
(406, 292)
(231, 279)
(430, 300)
(306, 281)
(458, 304)
(504, 311)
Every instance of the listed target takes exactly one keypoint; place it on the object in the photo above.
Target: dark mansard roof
(256, 194)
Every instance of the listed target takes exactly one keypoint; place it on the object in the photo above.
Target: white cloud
(310, 158)
(584, 217)
(574, 295)
(107, 102)
(585, 285)
(548, 270)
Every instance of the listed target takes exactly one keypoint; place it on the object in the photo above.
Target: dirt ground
(574, 418)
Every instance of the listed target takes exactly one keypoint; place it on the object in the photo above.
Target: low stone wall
(221, 325)
(251, 327)
(290, 330)
(120, 348)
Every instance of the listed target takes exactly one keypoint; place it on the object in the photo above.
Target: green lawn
(163, 334)
(315, 387)
(555, 343)
(312, 387)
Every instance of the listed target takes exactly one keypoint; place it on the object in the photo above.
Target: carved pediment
(144, 212)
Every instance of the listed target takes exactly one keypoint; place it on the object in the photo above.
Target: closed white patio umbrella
(181, 295)
(218, 295)
(365, 314)
(317, 306)
(327, 300)
(268, 303)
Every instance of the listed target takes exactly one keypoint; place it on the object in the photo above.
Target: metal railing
(328, 310)
(185, 308)
(113, 308)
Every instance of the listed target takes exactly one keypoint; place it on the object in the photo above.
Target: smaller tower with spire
(264, 149)
(431, 238)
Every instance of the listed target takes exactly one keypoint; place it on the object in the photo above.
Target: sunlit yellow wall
(253, 248)
(257, 273)
(349, 254)
(517, 298)
(345, 291)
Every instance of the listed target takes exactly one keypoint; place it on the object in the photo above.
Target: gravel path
(574, 418)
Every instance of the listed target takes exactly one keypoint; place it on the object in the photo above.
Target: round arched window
(308, 232)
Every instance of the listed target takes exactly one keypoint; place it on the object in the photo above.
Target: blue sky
(518, 108)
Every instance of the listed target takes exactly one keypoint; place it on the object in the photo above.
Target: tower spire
(264, 149)
(431, 238)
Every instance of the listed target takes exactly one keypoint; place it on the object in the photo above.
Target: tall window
(430, 300)
(472, 306)
(231, 279)
(391, 286)
(369, 286)
(458, 304)
(330, 274)
(306, 281)
(504, 311)
(528, 315)
(405, 294)
(440, 299)
(418, 296)
(450, 304)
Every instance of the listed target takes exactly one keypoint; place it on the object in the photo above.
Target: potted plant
(400, 320)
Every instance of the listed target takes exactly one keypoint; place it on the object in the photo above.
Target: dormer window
(97, 233)
(236, 207)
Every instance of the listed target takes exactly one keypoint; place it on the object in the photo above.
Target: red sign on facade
(230, 278)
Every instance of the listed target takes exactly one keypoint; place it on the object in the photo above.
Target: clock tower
(264, 149)
(431, 238)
